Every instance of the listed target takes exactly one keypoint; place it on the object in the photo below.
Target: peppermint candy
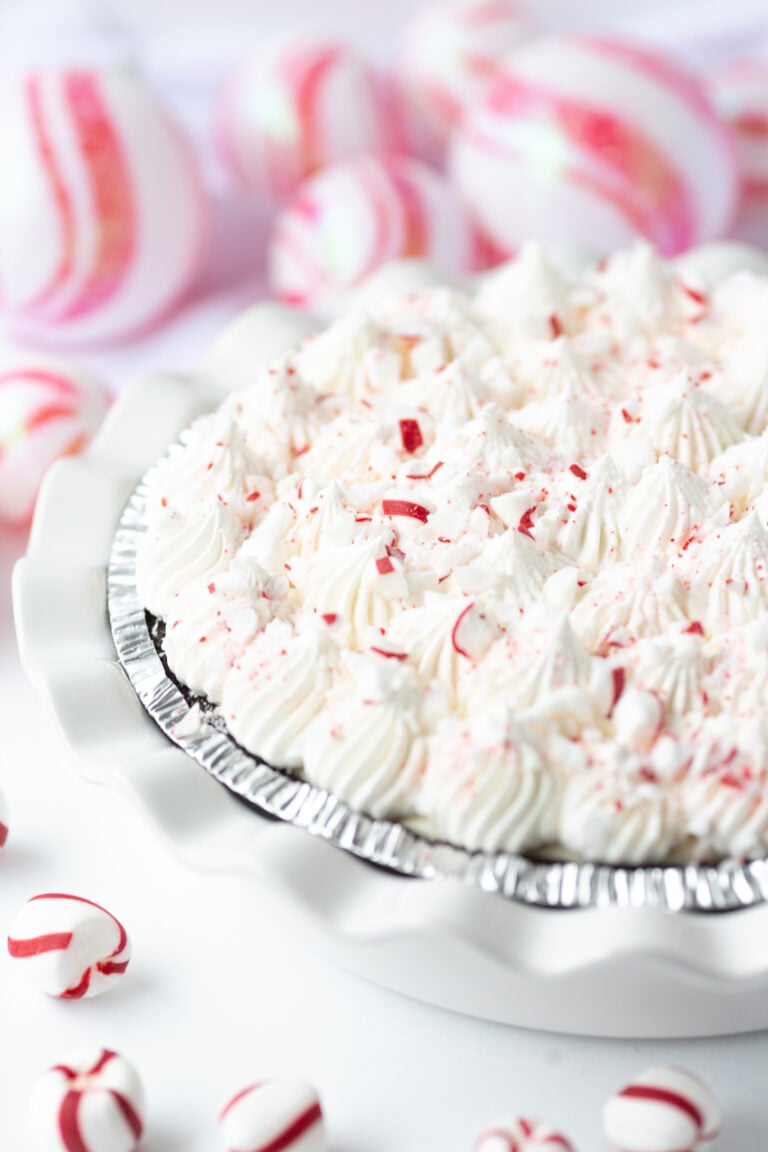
(91, 1102)
(48, 409)
(357, 215)
(298, 105)
(524, 1135)
(663, 1110)
(69, 947)
(450, 55)
(3, 820)
(531, 158)
(281, 1115)
(102, 211)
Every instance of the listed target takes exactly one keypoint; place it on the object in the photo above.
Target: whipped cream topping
(495, 562)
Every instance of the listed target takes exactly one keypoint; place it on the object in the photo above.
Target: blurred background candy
(353, 217)
(595, 141)
(298, 104)
(48, 409)
(102, 211)
(740, 92)
(450, 55)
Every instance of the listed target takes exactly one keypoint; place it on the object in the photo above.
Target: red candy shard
(555, 327)
(330, 617)
(405, 508)
(410, 434)
(578, 471)
(389, 655)
(696, 628)
(526, 522)
(384, 565)
(619, 680)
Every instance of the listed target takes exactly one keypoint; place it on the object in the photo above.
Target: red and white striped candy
(354, 217)
(298, 105)
(450, 55)
(281, 1115)
(102, 214)
(48, 409)
(593, 142)
(91, 1102)
(523, 1135)
(740, 92)
(664, 1110)
(3, 820)
(69, 947)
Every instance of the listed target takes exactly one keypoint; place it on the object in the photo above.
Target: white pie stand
(605, 971)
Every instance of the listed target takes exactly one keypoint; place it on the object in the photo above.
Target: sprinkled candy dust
(450, 612)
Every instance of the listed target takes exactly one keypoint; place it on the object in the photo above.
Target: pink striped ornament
(662, 1110)
(91, 1102)
(48, 409)
(102, 213)
(354, 217)
(298, 105)
(523, 1135)
(280, 1115)
(68, 946)
(594, 142)
(740, 92)
(450, 56)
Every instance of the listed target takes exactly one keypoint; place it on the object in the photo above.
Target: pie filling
(495, 563)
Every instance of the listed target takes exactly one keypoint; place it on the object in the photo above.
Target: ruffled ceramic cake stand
(637, 961)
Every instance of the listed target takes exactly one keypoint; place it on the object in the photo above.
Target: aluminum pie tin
(193, 725)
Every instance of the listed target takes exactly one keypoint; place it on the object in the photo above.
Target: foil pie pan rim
(570, 885)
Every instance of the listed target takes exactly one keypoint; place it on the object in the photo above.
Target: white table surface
(217, 994)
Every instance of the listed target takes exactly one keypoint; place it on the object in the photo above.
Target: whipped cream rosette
(493, 563)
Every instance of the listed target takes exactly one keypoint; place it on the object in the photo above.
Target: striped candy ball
(281, 1115)
(450, 55)
(91, 1102)
(48, 409)
(523, 1135)
(740, 92)
(298, 105)
(69, 947)
(354, 217)
(102, 214)
(3, 820)
(663, 1110)
(594, 142)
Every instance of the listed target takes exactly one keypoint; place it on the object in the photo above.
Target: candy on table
(663, 1110)
(740, 92)
(594, 141)
(450, 54)
(48, 409)
(298, 105)
(69, 947)
(3, 820)
(352, 218)
(283, 1113)
(523, 1135)
(91, 1102)
(102, 211)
